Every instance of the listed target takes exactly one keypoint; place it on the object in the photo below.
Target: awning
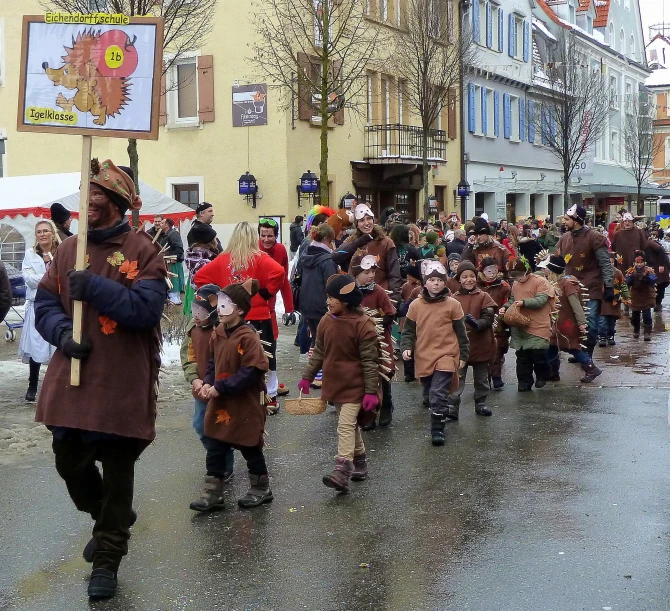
(623, 189)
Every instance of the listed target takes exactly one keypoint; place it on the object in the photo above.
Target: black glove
(364, 240)
(265, 294)
(78, 283)
(608, 294)
(472, 321)
(73, 349)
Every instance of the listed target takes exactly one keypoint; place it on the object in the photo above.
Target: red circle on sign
(127, 60)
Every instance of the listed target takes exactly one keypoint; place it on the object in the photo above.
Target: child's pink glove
(303, 386)
(370, 403)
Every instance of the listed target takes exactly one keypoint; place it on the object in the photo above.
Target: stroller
(18, 287)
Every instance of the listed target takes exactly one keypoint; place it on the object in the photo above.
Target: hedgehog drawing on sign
(97, 67)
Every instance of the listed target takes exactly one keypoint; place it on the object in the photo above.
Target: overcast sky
(652, 13)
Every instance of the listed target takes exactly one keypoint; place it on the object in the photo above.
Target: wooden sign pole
(80, 262)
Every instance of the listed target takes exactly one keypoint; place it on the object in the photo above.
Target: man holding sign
(110, 416)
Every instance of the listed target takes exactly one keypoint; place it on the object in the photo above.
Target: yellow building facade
(200, 155)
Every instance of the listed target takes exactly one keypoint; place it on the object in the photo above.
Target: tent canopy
(33, 195)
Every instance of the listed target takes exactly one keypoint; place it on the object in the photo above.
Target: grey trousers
(480, 373)
(436, 387)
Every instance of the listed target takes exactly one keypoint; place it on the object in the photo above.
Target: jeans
(217, 457)
(107, 497)
(199, 427)
(554, 361)
(646, 318)
(436, 386)
(606, 326)
(592, 313)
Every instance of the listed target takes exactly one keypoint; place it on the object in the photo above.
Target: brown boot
(211, 496)
(259, 492)
(339, 478)
(360, 471)
(591, 372)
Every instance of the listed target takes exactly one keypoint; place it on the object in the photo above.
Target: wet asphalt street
(559, 502)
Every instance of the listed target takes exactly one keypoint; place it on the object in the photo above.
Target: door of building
(510, 207)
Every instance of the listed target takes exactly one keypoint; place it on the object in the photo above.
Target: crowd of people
(439, 297)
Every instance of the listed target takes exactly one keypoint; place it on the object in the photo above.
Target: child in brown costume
(570, 327)
(435, 336)
(642, 283)
(491, 282)
(347, 350)
(531, 342)
(235, 389)
(410, 291)
(480, 310)
(195, 356)
(610, 311)
(376, 302)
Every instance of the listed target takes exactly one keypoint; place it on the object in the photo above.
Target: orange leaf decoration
(223, 376)
(108, 325)
(129, 268)
(222, 416)
(240, 351)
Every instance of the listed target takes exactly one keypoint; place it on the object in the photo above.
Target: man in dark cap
(483, 245)
(587, 259)
(60, 215)
(110, 417)
(204, 215)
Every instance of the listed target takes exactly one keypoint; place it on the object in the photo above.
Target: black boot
(591, 372)
(647, 333)
(452, 410)
(602, 341)
(33, 378)
(481, 409)
(386, 410)
(554, 371)
(102, 584)
(572, 359)
(370, 425)
(437, 429)
(426, 398)
(497, 383)
(636, 331)
(31, 393)
(610, 340)
(92, 545)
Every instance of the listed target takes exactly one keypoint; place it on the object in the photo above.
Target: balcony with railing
(397, 143)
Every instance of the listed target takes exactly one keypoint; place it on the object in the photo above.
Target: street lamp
(463, 190)
(308, 187)
(248, 187)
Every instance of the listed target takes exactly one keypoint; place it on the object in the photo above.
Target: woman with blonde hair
(33, 350)
(243, 259)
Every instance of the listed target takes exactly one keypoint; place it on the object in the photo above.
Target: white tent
(26, 199)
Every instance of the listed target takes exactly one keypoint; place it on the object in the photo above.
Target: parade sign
(93, 75)
(250, 105)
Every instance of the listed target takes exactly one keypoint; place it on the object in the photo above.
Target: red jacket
(278, 253)
(269, 273)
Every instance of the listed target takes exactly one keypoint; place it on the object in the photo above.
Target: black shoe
(540, 383)
(426, 402)
(554, 377)
(102, 584)
(437, 429)
(91, 545)
(610, 340)
(31, 393)
(409, 379)
(385, 416)
(525, 388)
(452, 412)
(369, 426)
(482, 410)
(602, 341)
(572, 359)
(497, 383)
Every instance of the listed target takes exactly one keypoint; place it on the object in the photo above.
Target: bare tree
(576, 105)
(317, 52)
(429, 55)
(187, 23)
(640, 145)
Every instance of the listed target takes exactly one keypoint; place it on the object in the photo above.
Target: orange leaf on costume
(108, 325)
(129, 268)
(222, 416)
(223, 376)
(240, 351)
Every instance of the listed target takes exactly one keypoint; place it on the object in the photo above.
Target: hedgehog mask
(118, 184)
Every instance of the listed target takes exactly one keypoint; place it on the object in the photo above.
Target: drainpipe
(464, 169)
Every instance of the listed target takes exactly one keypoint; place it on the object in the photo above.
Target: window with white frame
(622, 42)
(614, 146)
(589, 24)
(614, 92)
(610, 35)
(482, 22)
(572, 12)
(495, 27)
(518, 37)
(490, 113)
(478, 110)
(397, 12)
(631, 47)
(629, 96)
(189, 190)
(369, 99)
(401, 95)
(514, 104)
(383, 10)
(182, 97)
